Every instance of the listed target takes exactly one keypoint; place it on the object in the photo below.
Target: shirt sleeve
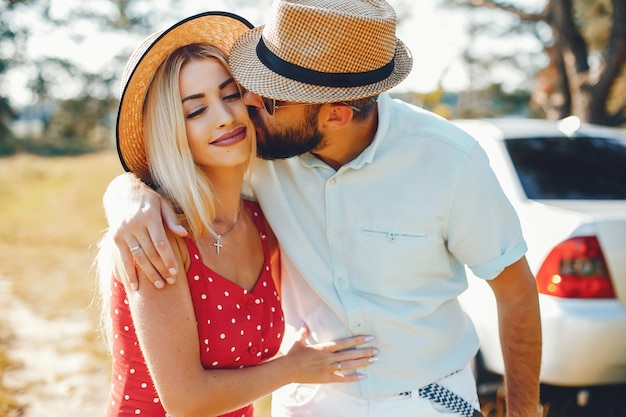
(484, 231)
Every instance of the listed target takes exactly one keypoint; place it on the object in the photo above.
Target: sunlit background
(60, 67)
(437, 34)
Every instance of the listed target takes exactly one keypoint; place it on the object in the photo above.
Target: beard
(287, 141)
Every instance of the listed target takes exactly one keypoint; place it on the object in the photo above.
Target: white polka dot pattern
(236, 328)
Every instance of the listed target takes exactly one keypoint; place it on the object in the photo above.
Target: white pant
(301, 400)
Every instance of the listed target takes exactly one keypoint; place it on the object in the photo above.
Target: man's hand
(136, 216)
(520, 335)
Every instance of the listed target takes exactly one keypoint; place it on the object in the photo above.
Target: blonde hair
(174, 172)
(176, 175)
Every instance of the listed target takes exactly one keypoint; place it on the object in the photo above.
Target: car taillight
(576, 268)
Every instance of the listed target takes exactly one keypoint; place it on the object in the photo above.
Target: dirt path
(60, 372)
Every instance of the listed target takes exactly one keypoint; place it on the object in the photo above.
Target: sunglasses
(271, 106)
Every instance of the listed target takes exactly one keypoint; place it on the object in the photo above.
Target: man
(377, 205)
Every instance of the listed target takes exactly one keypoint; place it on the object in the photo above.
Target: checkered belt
(442, 395)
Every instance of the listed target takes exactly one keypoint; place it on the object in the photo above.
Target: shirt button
(333, 181)
(391, 237)
(356, 325)
(253, 350)
(341, 282)
(250, 304)
(333, 234)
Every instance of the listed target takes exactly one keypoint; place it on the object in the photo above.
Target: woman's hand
(332, 361)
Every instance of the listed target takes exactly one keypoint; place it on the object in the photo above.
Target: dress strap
(192, 248)
(259, 221)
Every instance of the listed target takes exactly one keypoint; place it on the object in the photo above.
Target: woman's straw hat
(220, 29)
(321, 51)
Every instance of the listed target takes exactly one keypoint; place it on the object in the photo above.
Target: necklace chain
(218, 236)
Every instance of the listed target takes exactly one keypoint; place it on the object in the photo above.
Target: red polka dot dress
(236, 327)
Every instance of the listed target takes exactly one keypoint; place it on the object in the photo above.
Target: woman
(205, 347)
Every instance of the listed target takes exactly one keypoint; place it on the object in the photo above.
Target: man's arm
(520, 335)
(136, 214)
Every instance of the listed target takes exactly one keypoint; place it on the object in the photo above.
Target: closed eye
(196, 113)
(233, 97)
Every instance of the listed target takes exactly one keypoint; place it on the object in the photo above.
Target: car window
(570, 168)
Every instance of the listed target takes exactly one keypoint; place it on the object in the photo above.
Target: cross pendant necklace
(218, 244)
(218, 236)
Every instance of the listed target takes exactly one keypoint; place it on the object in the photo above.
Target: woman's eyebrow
(200, 95)
(227, 82)
(193, 96)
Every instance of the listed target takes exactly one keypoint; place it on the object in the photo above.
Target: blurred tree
(7, 139)
(81, 122)
(77, 126)
(57, 84)
(12, 39)
(492, 101)
(585, 44)
(69, 104)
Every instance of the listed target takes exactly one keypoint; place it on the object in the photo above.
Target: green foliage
(7, 140)
(12, 38)
(80, 125)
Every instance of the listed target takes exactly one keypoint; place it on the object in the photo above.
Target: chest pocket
(395, 263)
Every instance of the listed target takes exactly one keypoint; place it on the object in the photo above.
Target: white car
(567, 181)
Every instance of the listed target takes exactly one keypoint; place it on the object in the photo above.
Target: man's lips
(230, 138)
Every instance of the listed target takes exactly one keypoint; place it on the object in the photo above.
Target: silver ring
(338, 366)
(135, 248)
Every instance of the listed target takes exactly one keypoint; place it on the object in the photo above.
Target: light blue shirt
(379, 246)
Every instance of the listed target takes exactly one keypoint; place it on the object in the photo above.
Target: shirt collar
(367, 156)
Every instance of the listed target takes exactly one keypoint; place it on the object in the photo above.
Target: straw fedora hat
(220, 29)
(321, 51)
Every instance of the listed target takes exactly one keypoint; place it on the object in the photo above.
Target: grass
(51, 215)
(8, 405)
